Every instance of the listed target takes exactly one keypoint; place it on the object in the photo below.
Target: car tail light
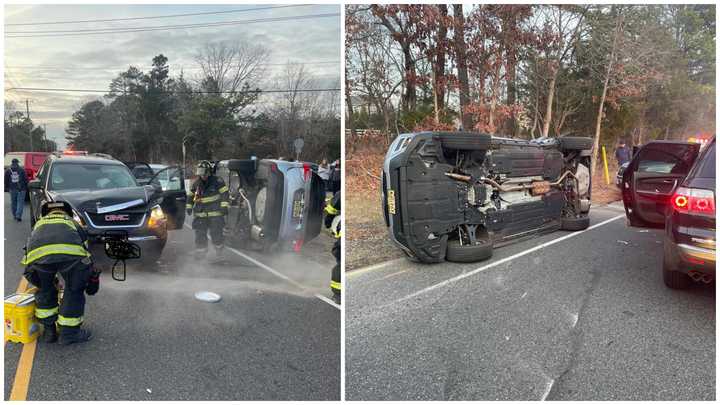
(306, 171)
(693, 200)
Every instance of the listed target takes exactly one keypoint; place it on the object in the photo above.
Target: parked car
(31, 161)
(672, 184)
(457, 195)
(105, 196)
(274, 204)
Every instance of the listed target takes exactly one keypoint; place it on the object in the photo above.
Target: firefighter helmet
(50, 206)
(204, 168)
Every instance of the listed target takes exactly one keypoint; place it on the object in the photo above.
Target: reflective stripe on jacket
(55, 238)
(208, 198)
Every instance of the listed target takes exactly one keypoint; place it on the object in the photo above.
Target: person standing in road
(16, 182)
(208, 202)
(332, 221)
(622, 153)
(58, 245)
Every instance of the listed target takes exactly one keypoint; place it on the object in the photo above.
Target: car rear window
(90, 177)
(707, 166)
(671, 159)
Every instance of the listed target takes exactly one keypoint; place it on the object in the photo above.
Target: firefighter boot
(219, 254)
(50, 334)
(70, 335)
(200, 253)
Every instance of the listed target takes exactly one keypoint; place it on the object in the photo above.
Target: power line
(158, 16)
(330, 62)
(177, 92)
(64, 33)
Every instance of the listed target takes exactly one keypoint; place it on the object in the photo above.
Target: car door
(172, 182)
(652, 176)
(141, 171)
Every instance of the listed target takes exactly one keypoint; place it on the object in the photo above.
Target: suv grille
(116, 219)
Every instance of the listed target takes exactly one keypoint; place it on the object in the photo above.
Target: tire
(150, 256)
(468, 254)
(573, 143)
(464, 140)
(675, 279)
(575, 224)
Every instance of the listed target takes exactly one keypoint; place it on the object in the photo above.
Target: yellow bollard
(605, 166)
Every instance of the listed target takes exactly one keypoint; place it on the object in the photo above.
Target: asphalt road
(275, 335)
(582, 318)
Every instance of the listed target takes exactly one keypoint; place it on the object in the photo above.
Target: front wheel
(468, 253)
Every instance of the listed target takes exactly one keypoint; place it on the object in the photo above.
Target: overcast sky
(92, 61)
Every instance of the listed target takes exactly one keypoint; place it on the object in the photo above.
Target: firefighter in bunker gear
(332, 221)
(58, 245)
(208, 202)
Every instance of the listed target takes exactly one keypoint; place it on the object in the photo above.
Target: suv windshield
(89, 177)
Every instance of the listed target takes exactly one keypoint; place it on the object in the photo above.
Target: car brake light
(693, 200)
(306, 171)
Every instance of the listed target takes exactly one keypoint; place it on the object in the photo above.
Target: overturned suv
(457, 195)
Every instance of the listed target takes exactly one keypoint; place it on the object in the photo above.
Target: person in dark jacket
(208, 202)
(16, 182)
(622, 153)
(57, 245)
(332, 221)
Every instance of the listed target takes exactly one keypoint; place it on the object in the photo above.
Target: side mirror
(34, 184)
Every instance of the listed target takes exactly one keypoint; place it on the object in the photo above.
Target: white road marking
(389, 276)
(278, 274)
(524, 294)
(505, 260)
(574, 318)
(548, 387)
(362, 270)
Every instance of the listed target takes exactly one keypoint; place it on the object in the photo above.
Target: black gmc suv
(105, 196)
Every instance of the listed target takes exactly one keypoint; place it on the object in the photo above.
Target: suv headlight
(157, 213)
(157, 216)
(78, 219)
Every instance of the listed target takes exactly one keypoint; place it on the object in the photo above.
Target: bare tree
(561, 23)
(232, 65)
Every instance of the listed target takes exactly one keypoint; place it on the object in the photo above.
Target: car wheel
(575, 224)
(150, 256)
(575, 143)
(634, 221)
(464, 141)
(468, 253)
(675, 279)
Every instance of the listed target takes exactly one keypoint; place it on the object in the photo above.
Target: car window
(707, 166)
(89, 177)
(42, 171)
(668, 159)
(169, 179)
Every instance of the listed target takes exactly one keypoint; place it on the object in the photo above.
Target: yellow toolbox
(21, 326)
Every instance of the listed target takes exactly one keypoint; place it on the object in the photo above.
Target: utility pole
(45, 147)
(27, 108)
